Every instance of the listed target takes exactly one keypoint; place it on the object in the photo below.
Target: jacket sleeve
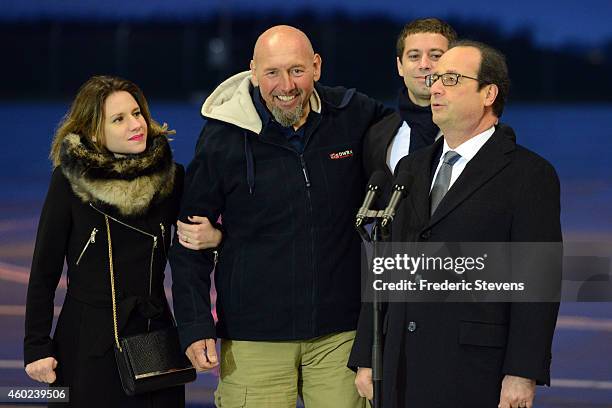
(361, 353)
(369, 110)
(177, 193)
(379, 111)
(531, 325)
(191, 269)
(47, 264)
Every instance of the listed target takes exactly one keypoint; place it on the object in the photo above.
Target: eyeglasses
(448, 79)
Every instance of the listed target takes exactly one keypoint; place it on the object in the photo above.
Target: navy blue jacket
(289, 266)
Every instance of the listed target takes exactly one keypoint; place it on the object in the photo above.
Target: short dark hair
(425, 25)
(493, 70)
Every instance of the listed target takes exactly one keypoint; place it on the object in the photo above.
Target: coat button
(412, 327)
(426, 234)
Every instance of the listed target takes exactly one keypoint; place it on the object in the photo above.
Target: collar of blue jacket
(295, 137)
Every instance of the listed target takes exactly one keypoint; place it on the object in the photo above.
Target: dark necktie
(440, 186)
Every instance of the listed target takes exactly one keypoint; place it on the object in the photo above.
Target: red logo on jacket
(341, 155)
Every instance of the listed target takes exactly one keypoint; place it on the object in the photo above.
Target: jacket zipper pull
(305, 171)
(163, 233)
(91, 240)
(216, 258)
(155, 241)
(92, 237)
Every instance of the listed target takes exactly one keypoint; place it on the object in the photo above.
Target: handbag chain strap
(112, 282)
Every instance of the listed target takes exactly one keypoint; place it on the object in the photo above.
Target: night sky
(553, 23)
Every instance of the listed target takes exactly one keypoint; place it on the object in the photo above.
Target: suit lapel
(489, 161)
(419, 194)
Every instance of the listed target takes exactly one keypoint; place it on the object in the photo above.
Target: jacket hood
(127, 184)
(231, 103)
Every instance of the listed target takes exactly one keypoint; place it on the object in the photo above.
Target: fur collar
(127, 184)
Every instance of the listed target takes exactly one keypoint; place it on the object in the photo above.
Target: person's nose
(425, 63)
(437, 88)
(134, 123)
(287, 85)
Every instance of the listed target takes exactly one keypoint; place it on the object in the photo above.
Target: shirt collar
(470, 147)
(260, 107)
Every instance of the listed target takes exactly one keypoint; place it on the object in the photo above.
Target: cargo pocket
(230, 395)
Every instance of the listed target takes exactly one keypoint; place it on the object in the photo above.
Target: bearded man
(280, 159)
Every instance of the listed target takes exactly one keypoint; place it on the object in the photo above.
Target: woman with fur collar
(115, 189)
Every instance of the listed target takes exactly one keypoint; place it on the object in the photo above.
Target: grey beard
(288, 118)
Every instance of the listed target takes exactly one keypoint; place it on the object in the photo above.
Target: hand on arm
(201, 234)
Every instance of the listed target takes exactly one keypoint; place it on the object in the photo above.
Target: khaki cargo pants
(262, 374)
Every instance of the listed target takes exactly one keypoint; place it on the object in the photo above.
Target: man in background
(419, 47)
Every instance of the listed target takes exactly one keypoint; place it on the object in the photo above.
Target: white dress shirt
(400, 146)
(467, 150)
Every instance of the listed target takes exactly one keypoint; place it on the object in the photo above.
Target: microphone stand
(377, 343)
(379, 234)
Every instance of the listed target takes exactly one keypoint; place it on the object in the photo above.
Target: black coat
(375, 147)
(379, 138)
(289, 265)
(141, 195)
(456, 354)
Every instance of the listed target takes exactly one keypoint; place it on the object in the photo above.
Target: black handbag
(149, 361)
(152, 361)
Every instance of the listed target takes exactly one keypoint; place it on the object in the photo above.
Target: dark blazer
(376, 143)
(375, 146)
(456, 354)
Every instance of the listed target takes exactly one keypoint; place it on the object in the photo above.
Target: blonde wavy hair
(86, 115)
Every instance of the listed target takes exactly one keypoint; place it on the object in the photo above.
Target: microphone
(403, 182)
(374, 185)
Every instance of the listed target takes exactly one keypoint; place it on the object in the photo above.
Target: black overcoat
(141, 197)
(456, 354)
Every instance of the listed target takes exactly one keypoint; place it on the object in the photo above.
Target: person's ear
(491, 94)
(317, 63)
(253, 76)
(399, 67)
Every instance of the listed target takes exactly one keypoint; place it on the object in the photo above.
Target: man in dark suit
(419, 46)
(469, 354)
